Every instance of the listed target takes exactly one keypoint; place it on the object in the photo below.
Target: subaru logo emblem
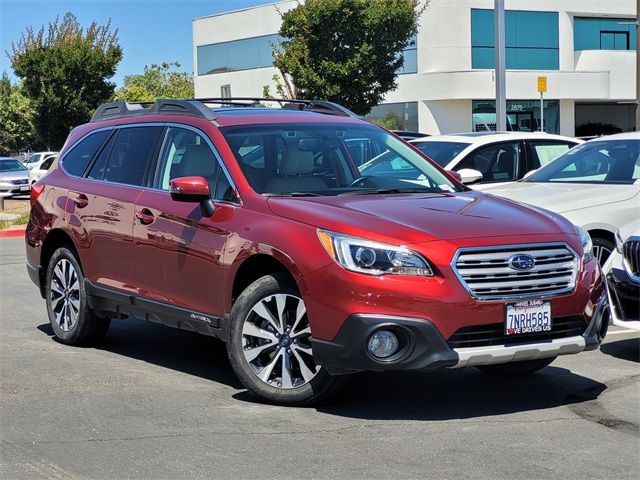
(521, 262)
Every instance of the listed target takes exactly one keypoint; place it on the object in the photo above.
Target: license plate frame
(527, 317)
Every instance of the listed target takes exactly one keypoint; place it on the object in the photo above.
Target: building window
(604, 34)
(396, 116)
(410, 58)
(236, 55)
(593, 119)
(522, 115)
(531, 40)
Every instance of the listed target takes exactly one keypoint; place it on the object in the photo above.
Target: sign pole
(541, 112)
(500, 75)
(542, 87)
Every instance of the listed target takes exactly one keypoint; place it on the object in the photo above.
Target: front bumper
(624, 297)
(423, 347)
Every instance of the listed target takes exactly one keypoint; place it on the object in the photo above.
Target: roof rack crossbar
(198, 107)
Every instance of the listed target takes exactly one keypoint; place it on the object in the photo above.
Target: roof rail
(198, 107)
(124, 109)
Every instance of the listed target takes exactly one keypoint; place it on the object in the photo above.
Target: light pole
(501, 80)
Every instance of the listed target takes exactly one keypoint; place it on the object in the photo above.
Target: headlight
(373, 258)
(619, 242)
(587, 245)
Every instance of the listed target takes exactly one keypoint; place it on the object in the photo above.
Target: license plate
(24, 188)
(529, 316)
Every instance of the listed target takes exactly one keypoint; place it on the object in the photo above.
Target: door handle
(81, 200)
(145, 216)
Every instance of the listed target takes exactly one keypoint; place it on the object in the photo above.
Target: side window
(75, 162)
(46, 165)
(100, 164)
(132, 155)
(185, 154)
(498, 163)
(543, 152)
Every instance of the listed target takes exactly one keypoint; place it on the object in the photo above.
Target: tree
(157, 81)
(16, 119)
(347, 51)
(65, 71)
(391, 121)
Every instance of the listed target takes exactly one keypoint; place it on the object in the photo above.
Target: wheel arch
(602, 233)
(255, 267)
(54, 239)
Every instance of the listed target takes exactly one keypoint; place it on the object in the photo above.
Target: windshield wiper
(382, 191)
(295, 194)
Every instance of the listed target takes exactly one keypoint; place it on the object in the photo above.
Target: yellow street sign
(542, 84)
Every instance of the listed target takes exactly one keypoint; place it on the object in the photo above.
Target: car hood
(14, 175)
(564, 197)
(421, 217)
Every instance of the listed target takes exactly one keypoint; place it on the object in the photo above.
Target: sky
(150, 31)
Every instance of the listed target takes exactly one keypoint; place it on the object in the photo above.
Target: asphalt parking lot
(153, 402)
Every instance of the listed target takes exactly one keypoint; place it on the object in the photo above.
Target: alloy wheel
(601, 253)
(65, 295)
(276, 342)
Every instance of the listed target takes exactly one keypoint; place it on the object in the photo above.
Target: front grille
(23, 181)
(493, 334)
(487, 275)
(631, 252)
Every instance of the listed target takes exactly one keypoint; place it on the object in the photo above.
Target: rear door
(498, 162)
(104, 206)
(541, 152)
(178, 249)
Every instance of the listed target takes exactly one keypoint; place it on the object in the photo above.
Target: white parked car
(488, 158)
(36, 173)
(37, 158)
(595, 185)
(623, 277)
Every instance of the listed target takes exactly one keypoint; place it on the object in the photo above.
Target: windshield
(9, 164)
(441, 152)
(331, 159)
(602, 161)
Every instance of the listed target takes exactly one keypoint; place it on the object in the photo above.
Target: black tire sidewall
(319, 387)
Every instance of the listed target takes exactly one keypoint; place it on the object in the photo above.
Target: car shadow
(167, 347)
(459, 394)
(628, 349)
(432, 395)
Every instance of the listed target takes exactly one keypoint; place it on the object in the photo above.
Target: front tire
(73, 322)
(602, 248)
(512, 369)
(269, 345)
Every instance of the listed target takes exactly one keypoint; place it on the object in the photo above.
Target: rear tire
(524, 367)
(269, 345)
(73, 322)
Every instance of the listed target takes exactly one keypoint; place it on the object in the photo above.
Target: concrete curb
(12, 233)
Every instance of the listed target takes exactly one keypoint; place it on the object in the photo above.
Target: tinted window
(604, 34)
(544, 152)
(243, 54)
(498, 163)
(100, 165)
(75, 162)
(531, 39)
(614, 161)
(46, 165)
(441, 152)
(132, 155)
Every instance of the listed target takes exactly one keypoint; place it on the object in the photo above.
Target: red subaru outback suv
(255, 225)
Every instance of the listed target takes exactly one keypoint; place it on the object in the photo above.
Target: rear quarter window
(76, 161)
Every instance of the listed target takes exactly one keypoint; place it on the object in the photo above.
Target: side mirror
(469, 175)
(455, 175)
(529, 173)
(192, 189)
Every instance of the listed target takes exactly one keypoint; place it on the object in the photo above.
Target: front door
(177, 247)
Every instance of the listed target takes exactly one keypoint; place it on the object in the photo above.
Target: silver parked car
(14, 177)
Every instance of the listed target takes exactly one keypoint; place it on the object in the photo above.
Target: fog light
(383, 344)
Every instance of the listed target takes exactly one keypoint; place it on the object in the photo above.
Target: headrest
(296, 162)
